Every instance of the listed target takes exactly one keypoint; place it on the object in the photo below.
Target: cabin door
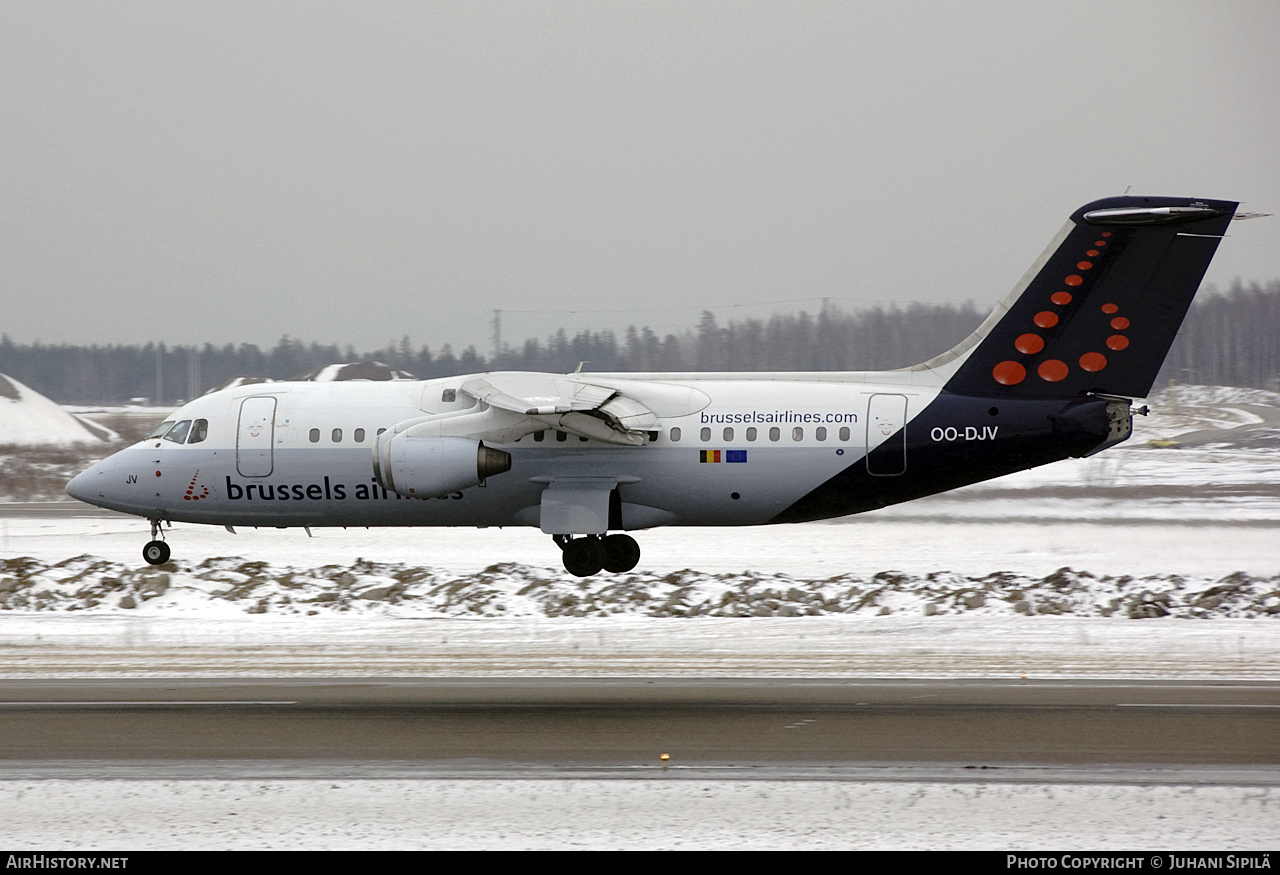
(886, 435)
(255, 435)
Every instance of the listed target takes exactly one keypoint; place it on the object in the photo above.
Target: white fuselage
(733, 450)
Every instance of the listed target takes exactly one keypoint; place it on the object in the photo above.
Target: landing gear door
(577, 505)
(255, 435)
(887, 435)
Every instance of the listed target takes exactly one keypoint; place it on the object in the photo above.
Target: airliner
(1052, 373)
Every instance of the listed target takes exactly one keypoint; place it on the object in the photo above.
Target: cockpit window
(178, 434)
(199, 431)
(159, 429)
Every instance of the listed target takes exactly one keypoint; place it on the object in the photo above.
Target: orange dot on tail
(1084, 265)
(1029, 344)
(1109, 308)
(1045, 319)
(1092, 253)
(1093, 361)
(1106, 233)
(1099, 242)
(1117, 341)
(1074, 280)
(1052, 371)
(1119, 323)
(1009, 373)
(1060, 298)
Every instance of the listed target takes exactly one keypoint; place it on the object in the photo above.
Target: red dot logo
(1117, 342)
(1073, 280)
(1119, 323)
(1084, 265)
(1092, 253)
(1009, 373)
(1061, 298)
(191, 489)
(1045, 319)
(1052, 371)
(1109, 308)
(1093, 361)
(1029, 344)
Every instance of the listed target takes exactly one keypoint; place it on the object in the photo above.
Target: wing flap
(587, 410)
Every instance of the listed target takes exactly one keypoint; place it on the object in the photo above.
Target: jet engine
(424, 467)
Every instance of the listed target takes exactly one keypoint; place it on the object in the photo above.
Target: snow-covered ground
(1174, 558)
(311, 814)
(27, 418)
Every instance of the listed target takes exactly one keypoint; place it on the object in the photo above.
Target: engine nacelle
(424, 467)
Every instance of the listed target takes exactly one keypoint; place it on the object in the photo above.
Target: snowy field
(1138, 563)
(341, 813)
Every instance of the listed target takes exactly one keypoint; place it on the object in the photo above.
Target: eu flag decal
(722, 455)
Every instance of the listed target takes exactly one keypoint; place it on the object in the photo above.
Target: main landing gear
(589, 555)
(157, 551)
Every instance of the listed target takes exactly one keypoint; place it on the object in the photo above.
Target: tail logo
(1011, 373)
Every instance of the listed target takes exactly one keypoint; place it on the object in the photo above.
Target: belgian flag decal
(722, 455)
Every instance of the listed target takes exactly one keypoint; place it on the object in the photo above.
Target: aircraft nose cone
(81, 485)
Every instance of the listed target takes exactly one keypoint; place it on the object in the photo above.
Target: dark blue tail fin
(1101, 312)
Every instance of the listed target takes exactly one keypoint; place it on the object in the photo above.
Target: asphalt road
(626, 725)
(59, 509)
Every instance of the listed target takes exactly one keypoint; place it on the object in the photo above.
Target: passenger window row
(560, 436)
(775, 434)
(193, 432)
(336, 435)
(751, 434)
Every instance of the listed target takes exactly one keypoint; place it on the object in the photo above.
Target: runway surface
(621, 727)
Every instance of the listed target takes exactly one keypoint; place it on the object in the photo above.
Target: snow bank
(215, 586)
(27, 418)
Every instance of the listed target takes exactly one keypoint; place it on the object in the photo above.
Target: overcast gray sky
(339, 172)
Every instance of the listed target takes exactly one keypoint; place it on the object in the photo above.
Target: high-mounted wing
(561, 402)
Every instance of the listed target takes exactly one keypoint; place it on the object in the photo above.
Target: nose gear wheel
(156, 552)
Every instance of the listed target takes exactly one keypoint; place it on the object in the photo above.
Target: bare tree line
(1230, 338)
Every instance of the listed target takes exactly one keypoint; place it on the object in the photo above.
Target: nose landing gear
(589, 555)
(157, 551)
